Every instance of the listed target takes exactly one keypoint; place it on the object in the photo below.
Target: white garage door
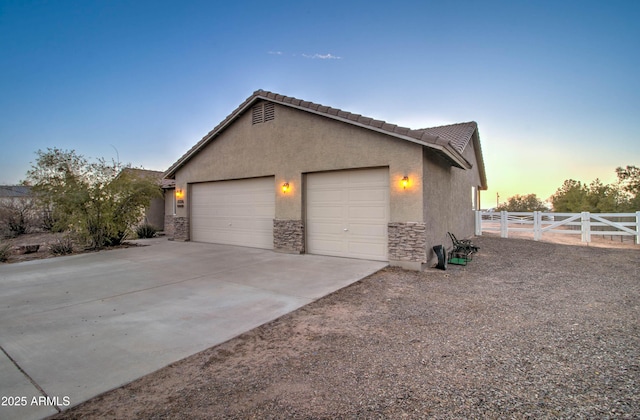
(348, 213)
(238, 212)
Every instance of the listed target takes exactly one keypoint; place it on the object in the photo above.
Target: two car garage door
(346, 213)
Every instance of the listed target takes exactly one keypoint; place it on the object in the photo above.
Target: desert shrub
(146, 230)
(50, 221)
(98, 233)
(5, 251)
(62, 246)
(16, 217)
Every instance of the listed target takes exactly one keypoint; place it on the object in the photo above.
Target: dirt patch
(526, 330)
(600, 241)
(43, 240)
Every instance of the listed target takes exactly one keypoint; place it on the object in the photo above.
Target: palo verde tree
(524, 203)
(97, 200)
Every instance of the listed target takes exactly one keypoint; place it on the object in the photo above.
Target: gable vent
(257, 116)
(269, 111)
(263, 112)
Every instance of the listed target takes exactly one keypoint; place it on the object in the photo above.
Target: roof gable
(450, 141)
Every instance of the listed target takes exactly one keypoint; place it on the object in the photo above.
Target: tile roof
(157, 175)
(458, 135)
(424, 136)
(449, 140)
(144, 172)
(168, 183)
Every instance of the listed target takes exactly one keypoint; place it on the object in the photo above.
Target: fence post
(504, 225)
(478, 223)
(586, 227)
(638, 228)
(537, 225)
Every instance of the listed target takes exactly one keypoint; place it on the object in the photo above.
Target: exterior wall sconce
(285, 187)
(405, 182)
(179, 197)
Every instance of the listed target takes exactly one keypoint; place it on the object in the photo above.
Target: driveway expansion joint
(26, 375)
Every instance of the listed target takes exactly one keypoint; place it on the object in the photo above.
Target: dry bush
(17, 217)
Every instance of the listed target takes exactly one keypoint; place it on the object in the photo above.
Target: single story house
(298, 177)
(12, 193)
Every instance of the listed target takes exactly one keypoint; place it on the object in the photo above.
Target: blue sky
(554, 86)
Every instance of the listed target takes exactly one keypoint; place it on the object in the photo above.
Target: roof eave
(480, 159)
(437, 143)
(446, 149)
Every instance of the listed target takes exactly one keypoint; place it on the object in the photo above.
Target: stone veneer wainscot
(407, 242)
(288, 236)
(169, 226)
(181, 228)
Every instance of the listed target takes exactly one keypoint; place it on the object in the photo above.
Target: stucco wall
(448, 199)
(169, 198)
(298, 142)
(154, 214)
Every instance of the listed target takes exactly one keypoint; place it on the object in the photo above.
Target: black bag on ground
(441, 253)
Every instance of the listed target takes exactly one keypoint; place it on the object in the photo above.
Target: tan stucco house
(294, 176)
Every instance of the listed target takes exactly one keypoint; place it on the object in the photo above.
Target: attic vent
(269, 111)
(257, 116)
(263, 112)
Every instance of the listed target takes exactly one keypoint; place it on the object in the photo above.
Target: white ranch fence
(584, 224)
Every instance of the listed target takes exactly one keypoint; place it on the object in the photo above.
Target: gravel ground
(45, 240)
(526, 330)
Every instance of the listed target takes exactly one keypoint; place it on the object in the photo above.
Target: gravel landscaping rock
(526, 330)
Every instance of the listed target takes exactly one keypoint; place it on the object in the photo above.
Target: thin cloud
(328, 56)
(322, 56)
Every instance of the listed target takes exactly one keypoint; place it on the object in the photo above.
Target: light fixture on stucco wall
(179, 197)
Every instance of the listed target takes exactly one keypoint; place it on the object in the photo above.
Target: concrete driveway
(74, 327)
